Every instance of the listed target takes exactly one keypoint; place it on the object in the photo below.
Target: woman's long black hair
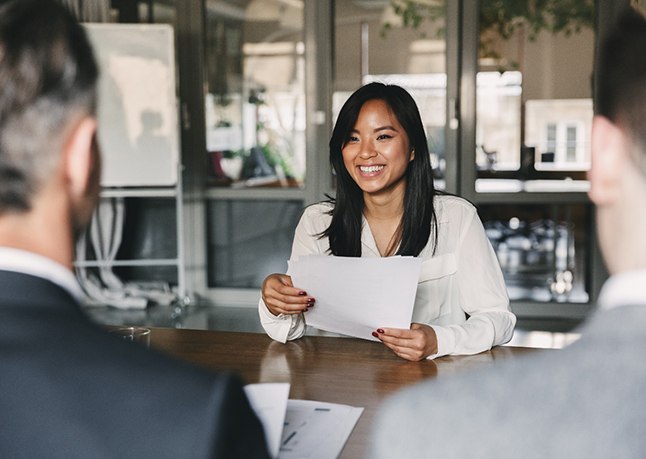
(344, 232)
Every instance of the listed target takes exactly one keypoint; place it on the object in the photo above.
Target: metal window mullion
(453, 123)
(319, 50)
(190, 43)
(469, 37)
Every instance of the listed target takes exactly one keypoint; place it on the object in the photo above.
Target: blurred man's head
(48, 81)
(618, 173)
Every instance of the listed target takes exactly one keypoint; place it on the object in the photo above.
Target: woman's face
(377, 151)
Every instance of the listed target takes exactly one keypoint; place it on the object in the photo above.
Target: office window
(550, 143)
(255, 100)
(542, 250)
(549, 56)
(571, 144)
(558, 131)
(533, 115)
(255, 123)
(372, 43)
(249, 240)
(498, 129)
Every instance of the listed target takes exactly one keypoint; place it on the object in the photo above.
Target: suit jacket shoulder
(583, 401)
(72, 390)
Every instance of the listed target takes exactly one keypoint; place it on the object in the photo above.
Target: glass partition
(543, 250)
(249, 240)
(373, 43)
(255, 100)
(534, 92)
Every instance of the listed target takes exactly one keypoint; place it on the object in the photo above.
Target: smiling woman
(376, 155)
(377, 151)
(386, 205)
(411, 204)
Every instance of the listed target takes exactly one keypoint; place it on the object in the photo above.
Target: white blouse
(461, 291)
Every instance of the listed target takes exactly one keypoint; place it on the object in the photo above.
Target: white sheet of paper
(316, 430)
(355, 296)
(269, 402)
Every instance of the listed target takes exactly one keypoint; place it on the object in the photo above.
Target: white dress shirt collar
(26, 262)
(623, 289)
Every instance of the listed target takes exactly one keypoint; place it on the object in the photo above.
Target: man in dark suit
(588, 400)
(68, 388)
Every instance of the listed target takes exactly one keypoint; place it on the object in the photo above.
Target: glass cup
(139, 335)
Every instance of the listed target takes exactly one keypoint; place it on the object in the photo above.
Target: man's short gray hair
(48, 78)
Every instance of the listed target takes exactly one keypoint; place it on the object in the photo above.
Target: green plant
(274, 158)
(240, 153)
(504, 17)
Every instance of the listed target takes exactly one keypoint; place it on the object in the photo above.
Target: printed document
(269, 402)
(316, 430)
(301, 428)
(355, 296)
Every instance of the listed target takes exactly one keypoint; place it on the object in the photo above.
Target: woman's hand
(415, 344)
(281, 297)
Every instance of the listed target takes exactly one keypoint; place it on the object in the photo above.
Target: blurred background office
(505, 90)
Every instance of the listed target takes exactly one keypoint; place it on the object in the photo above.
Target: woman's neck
(384, 206)
(384, 216)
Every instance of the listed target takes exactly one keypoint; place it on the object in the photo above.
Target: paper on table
(354, 296)
(269, 402)
(301, 428)
(316, 430)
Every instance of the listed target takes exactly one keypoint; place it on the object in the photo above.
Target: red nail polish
(380, 330)
(302, 293)
(375, 334)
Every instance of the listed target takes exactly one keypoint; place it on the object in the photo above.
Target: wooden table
(335, 370)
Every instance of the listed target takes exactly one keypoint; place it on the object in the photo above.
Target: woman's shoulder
(319, 208)
(319, 213)
(447, 205)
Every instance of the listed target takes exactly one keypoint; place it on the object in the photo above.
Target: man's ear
(79, 157)
(608, 156)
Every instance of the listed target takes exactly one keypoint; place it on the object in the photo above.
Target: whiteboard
(137, 107)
